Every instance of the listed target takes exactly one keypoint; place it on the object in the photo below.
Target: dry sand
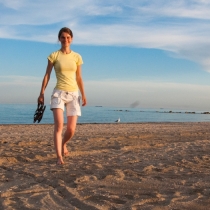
(145, 166)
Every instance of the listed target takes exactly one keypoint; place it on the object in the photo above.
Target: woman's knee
(58, 127)
(70, 131)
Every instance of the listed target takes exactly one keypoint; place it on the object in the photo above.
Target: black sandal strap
(39, 112)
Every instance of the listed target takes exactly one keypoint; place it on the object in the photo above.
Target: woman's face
(65, 39)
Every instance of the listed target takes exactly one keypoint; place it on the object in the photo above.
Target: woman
(67, 65)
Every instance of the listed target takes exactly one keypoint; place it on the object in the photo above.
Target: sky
(147, 53)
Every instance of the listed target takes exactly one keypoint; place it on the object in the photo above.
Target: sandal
(39, 112)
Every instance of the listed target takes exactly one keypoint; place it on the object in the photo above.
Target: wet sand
(144, 166)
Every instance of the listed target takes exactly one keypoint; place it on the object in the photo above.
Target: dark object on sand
(39, 112)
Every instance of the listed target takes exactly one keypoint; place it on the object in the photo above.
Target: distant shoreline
(173, 112)
(112, 123)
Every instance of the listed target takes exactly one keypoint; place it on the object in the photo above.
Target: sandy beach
(141, 166)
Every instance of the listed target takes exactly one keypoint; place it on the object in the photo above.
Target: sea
(24, 114)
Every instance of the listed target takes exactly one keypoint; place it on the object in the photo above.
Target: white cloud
(177, 8)
(178, 26)
(12, 4)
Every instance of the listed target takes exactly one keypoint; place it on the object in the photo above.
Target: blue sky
(155, 52)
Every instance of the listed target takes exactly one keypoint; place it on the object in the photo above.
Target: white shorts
(71, 100)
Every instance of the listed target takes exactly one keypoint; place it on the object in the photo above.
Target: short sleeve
(51, 57)
(79, 60)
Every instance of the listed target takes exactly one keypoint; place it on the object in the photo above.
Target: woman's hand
(41, 99)
(84, 100)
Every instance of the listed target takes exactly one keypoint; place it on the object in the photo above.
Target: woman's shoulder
(75, 53)
(53, 56)
(55, 53)
(77, 57)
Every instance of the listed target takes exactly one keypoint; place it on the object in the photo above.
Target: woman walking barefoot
(67, 65)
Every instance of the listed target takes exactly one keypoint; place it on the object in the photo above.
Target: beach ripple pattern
(137, 166)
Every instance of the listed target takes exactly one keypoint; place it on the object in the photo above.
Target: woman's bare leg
(69, 133)
(58, 127)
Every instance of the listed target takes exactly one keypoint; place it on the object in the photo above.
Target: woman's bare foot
(65, 151)
(60, 161)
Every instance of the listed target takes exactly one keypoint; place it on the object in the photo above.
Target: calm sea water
(23, 114)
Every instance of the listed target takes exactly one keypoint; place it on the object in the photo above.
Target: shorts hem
(71, 115)
(51, 108)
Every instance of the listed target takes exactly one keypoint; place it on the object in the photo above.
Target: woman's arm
(45, 82)
(81, 85)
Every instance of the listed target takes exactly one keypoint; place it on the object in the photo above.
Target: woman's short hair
(66, 30)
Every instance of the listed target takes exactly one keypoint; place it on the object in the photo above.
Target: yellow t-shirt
(65, 66)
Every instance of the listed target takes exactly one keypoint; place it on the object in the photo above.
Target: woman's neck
(65, 50)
